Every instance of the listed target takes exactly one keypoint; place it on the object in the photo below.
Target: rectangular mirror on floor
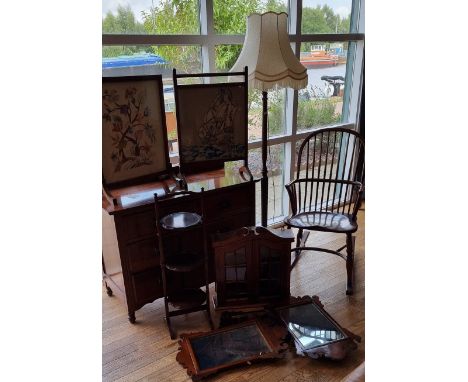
(203, 354)
(315, 333)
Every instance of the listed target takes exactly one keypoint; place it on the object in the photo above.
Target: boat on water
(319, 59)
(138, 59)
(321, 56)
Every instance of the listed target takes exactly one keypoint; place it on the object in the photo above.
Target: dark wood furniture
(183, 251)
(315, 333)
(327, 192)
(130, 247)
(252, 267)
(204, 354)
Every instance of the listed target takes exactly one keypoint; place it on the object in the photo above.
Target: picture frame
(203, 354)
(212, 122)
(316, 334)
(134, 134)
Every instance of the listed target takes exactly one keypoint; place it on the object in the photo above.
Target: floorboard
(144, 351)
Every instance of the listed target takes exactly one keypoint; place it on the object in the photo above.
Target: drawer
(137, 225)
(142, 255)
(231, 222)
(147, 286)
(228, 201)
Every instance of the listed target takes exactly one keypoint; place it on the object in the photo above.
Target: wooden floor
(145, 352)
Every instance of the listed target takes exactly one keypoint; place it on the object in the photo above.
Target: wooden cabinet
(228, 205)
(252, 267)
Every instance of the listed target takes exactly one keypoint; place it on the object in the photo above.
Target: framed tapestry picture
(211, 122)
(134, 135)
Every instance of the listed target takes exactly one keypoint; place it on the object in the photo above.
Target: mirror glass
(229, 346)
(309, 326)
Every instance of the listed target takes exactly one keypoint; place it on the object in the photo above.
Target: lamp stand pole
(264, 182)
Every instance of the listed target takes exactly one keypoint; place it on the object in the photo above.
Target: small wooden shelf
(185, 262)
(183, 248)
(187, 299)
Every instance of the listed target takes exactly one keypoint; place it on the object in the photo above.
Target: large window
(154, 36)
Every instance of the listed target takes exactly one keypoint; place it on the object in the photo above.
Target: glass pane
(276, 114)
(322, 102)
(230, 17)
(240, 256)
(310, 326)
(275, 270)
(226, 56)
(229, 347)
(269, 288)
(231, 274)
(264, 271)
(264, 251)
(275, 255)
(143, 60)
(150, 17)
(235, 289)
(275, 166)
(323, 156)
(130, 60)
(229, 259)
(241, 273)
(326, 16)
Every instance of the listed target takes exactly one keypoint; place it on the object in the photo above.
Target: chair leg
(131, 316)
(298, 244)
(168, 319)
(208, 305)
(350, 263)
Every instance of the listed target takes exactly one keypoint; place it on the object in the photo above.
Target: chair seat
(322, 221)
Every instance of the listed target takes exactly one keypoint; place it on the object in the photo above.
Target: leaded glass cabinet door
(235, 270)
(233, 273)
(273, 258)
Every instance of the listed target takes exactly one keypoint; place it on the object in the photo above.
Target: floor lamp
(271, 65)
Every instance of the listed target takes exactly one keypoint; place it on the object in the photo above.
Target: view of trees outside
(322, 19)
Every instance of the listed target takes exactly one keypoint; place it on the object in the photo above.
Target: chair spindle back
(330, 167)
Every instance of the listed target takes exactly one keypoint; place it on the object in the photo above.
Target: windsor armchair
(327, 191)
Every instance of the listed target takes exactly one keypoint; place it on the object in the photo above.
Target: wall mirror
(203, 354)
(315, 332)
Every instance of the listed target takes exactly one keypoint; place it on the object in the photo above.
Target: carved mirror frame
(334, 349)
(273, 338)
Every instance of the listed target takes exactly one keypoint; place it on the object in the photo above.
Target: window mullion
(295, 11)
(207, 29)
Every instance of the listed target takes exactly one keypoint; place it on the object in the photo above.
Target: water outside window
(323, 102)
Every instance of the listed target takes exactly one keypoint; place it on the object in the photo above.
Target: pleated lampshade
(268, 54)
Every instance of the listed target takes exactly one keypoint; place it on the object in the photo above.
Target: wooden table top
(143, 194)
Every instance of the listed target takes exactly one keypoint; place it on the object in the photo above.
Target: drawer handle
(224, 204)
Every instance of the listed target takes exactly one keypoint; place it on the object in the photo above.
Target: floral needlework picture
(133, 128)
